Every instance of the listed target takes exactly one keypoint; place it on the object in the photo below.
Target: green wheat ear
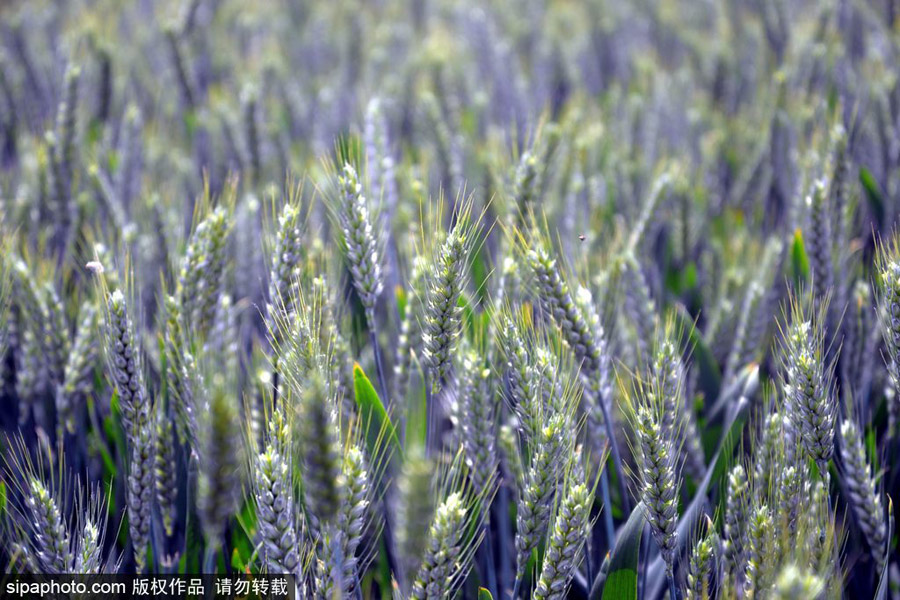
(798, 584)
(704, 563)
(759, 556)
(353, 516)
(274, 498)
(808, 378)
(445, 285)
(125, 371)
(202, 269)
(679, 422)
(566, 542)
(5, 285)
(444, 548)
(736, 520)
(865, 498)
(887, 263)
(56, 524)
(52, 534)
(442, 311)
(409, 341)
(287, 253)
(476, 412)
(455, 531)
(415, 508)
(79, 369)
(220, 456)
(166, 472)
(659, 479)
(359, 240)
(320, 453)
(178, 377)
(550, 451)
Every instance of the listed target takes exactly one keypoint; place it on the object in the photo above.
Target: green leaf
(402, 301)
(710, 378)
(468, 313)
(382, 573)
(191, 121)
(242, 537)
(873, 194)
(112, 161)
(747, 377)
(237, 563)
(622, 578)
(468, 122)
(689, 276)
(108, 463)
(95, 130)
(115, 436)
(349, 149)
(192, 551)
(884, 580)
(672, 279)
(375, 421)
(872, 445)
(736, 421)
(799, 258)
(416, 430)
(483, 594)
(480, 272)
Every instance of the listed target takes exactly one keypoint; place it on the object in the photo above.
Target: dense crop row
(430, 299)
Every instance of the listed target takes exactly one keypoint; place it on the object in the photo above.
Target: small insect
(581, 237)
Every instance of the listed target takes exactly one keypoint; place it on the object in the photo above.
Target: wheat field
(445, 299)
